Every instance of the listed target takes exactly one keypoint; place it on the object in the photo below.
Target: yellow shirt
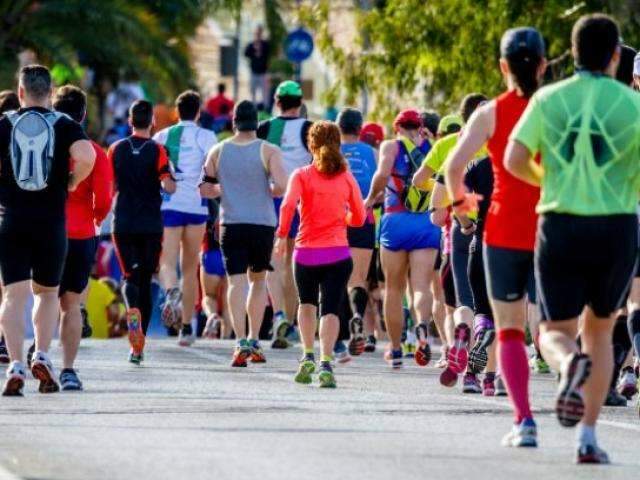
(98, 301)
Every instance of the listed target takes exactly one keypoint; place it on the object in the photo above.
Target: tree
(435, 52)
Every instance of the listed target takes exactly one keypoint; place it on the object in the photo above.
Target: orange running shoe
(136, 335)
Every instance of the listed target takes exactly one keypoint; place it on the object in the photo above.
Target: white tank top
(294, 153)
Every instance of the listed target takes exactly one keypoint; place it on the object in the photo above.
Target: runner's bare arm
(421, 177)
(388, 152)
(518, 162)
(84, 157)
(276, 170)
(210, 169)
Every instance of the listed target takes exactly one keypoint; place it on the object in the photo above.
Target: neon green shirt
(440, 151)
(587, 131)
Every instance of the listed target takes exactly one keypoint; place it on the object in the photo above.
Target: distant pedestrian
(258, 54)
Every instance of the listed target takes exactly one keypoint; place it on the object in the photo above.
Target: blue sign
(298, 46)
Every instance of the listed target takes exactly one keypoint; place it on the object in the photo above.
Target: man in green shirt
(587, 132)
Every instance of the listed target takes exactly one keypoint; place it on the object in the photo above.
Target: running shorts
(328, 282)
(362, 237)
(584, 261)
(81, 256)
(246, 246)
(295, 223)
(173, 218)
(32, 251)
(509, 274)
(406, 231)
(212, 263)
(138, 253)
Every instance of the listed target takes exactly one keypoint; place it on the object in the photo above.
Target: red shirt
(219, 105)
(327, 206)
(90, 203)
(511, 220)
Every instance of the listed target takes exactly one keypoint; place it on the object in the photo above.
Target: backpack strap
(276, 129)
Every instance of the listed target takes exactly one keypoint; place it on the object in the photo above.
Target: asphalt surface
(186, 414)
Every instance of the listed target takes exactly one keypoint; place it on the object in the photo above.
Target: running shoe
(538, 365)
(241, 354)
(42, 370)
(471, 384)
(325, 376)
(30, 353)
(87, 331)
(213, 327)
(257, 354)
(501, 389)
(488, 386)
(306, 368)
(627, 383)
(136, 358)
(4, 354)
(442, 362)
(423, 350)
(356, 343)
(457, 357)
(136, 336)
(341, 353)
(478, 355)
(370, 344)
(280, 330)
(614, 399)
(186, 337)
(523, 434)
(569, 402)
(590, 454)
(394, 358)
(16, 376)
(408, 350)
(69, 380)
(293, 336)
(171, 311)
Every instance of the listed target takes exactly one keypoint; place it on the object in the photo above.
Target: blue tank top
(400, 174)
(362, 163)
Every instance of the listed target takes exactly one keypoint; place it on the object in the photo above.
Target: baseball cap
(525, 41)
(409, 118)
(289, 88)
(636, 65)
(245, 116)
(448, 124)
(372, 133)
(350, 120)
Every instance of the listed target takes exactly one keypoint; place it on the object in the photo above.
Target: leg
(70, 327)
(290, 297)
(14, 301)
(189, 260)
(169, 258)
(45, 315)
(237, 299)
(420, 277)
(256, 302)
(395, 266)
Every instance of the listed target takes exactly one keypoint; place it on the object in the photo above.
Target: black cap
(522, 41)
(350, 120)
(245, 116)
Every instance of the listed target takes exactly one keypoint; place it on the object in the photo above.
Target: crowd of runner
(510, 222)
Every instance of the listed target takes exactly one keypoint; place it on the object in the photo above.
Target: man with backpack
(288, 131)
(36, 145)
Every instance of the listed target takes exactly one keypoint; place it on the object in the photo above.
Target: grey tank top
(246, 197)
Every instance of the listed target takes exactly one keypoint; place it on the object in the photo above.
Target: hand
(280, 248)
(369, 202)
(468, 204)
(469, 228)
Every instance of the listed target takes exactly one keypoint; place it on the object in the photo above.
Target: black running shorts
(81, 255)
(362, 237)
(584, 261)
(324, 284)
(246, 246)
(32, 251)
(509, 274)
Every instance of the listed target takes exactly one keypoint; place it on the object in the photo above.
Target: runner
(329, 201)
(33, 202)
(244, 165)
(362, 161)
(587, 131)
(409, 241)
(509, 233)
(87, 207)
(141, 171)
(289, 131)
(184, 215)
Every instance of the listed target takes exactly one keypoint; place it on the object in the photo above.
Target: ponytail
(324, 144)
(524, 70)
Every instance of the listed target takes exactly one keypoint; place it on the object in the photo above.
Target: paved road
(186, 414)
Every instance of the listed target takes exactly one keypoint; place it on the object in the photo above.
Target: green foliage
(434, 52)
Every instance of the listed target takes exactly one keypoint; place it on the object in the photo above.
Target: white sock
(586, 435)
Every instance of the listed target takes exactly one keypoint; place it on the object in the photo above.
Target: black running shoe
(69, 380)
(614, 399)
(87, 331)
(4, 354)
(478, 355)
(356, 343)
(569, 402)
(370, 344)
(30, 353)
(591, 454)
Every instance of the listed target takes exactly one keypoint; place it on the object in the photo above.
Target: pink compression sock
(514, 369)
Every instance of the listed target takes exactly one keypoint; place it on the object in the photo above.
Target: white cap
(636, 65)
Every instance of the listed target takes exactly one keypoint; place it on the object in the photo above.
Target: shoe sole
(136, 337)
(471, 391)
(240, 361)
(304, 374)
(186, 343)
(458, 356)
(281, 342)
(71, 388)
(257, 358)
(569, 403)
(48, 384)
(628, 391)
(357, 341)
(478, 356)
(13, 387)
(422, 355)
(327, 380)
(448, 378)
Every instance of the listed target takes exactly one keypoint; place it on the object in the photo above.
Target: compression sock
(633, 324)
(358, 299)
(326, 358)
(514, 370)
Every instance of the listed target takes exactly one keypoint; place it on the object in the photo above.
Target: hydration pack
(32, 146)
(414, 199)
